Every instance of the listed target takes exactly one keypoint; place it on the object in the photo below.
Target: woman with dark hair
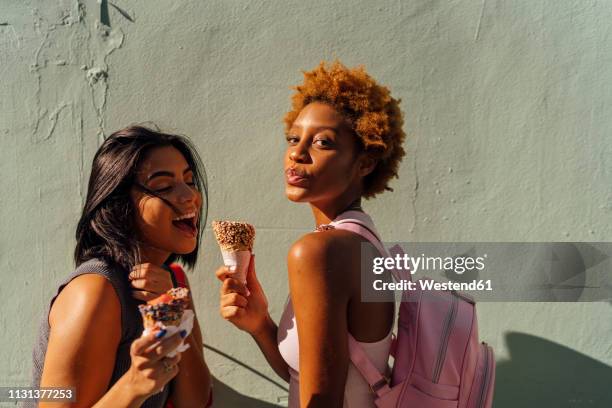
(343, 142)
(143, 211)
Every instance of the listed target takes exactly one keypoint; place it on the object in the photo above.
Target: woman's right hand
(151, 370)
(245, 306)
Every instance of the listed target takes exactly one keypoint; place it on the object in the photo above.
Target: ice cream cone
(169, 312)
(165, 310)
(236, 242)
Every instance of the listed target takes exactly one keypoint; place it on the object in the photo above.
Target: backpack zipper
(485, 381)
(448, 323)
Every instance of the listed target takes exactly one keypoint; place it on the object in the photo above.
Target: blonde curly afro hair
(373, 114)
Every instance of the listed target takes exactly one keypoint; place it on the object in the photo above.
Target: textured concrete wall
(506, 106)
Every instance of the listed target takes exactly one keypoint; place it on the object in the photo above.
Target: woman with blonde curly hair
(344, 143)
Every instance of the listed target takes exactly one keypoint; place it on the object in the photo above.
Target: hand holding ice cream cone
(244, 305)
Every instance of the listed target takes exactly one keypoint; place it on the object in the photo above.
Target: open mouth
(186, 223)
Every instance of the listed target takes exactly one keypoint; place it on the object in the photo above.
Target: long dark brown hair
(107, 228)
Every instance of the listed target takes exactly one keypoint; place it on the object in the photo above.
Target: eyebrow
(165, 173)
(319, 128)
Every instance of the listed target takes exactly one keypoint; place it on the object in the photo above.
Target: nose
(298, 154)
(187, 194)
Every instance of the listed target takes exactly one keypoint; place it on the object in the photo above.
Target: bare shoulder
(85, 331)
(334, 243)
(85, 298)
(323, 261)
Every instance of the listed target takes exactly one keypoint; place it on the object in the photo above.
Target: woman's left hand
(150, 281)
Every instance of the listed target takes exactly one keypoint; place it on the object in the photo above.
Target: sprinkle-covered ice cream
(234, 236)
(166, 310)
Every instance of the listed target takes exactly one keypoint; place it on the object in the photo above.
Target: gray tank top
(131, 327)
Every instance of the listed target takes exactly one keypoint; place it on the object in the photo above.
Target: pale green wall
(507, 107)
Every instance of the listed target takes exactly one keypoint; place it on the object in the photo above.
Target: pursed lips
(295, 177)
(294, 172)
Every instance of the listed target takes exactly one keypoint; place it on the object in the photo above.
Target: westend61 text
(404, 284)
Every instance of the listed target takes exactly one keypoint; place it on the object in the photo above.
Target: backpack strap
(361, 224)
(377, 382)
(362, 229)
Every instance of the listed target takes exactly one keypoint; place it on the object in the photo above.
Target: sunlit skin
(320, 159)
(88, 308)
(324, 167)
(165, 171)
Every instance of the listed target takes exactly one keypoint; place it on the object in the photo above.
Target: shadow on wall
(224, 396)
(541, 373)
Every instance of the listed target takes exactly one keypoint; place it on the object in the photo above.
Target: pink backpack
(438, 361)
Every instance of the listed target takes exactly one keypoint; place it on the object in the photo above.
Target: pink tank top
(357, 393)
